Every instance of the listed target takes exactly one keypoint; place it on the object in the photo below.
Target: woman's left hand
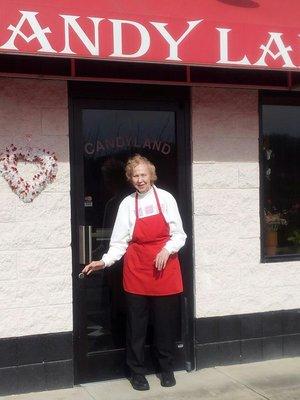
(161, 259)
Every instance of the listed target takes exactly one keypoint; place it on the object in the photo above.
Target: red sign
(243, 33)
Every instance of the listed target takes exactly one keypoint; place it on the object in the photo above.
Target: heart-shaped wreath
(28, 190)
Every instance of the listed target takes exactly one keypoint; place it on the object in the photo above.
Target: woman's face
(141, 178)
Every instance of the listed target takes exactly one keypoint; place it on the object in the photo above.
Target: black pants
(164, 311)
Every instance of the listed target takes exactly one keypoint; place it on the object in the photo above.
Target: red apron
(140, 276)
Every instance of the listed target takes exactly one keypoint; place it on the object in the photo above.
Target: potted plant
(273, 221)
(294, 238)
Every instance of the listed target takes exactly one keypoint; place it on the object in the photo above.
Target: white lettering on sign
(118, 39)
(224, 58)
(109, 38)
(173, 55)
(283, 51)
(71, 21)
(38, 33)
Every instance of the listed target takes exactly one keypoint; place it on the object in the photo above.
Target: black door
(108, 124)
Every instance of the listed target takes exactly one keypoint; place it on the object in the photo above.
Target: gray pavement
(268, 380)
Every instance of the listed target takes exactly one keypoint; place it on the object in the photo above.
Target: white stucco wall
(35, 252)
(229, 276)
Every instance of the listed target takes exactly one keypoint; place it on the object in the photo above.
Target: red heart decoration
(28, 190)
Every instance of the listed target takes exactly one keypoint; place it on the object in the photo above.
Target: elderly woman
(148, 231)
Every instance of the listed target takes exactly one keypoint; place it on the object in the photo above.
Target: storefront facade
(225, 143)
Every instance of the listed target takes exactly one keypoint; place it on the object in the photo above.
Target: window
(280, 176)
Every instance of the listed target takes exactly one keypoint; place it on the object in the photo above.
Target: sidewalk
(269, 380)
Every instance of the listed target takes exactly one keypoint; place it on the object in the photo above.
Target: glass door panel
(109, 138)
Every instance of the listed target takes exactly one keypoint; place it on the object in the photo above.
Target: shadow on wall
(225, 125)
(38, 109)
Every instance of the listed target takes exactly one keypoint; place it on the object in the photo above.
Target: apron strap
(157, 201)
(137, 207)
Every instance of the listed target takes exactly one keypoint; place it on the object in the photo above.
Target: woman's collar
(141, 195)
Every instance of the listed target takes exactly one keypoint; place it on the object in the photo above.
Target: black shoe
(139, 382)
(167, 379)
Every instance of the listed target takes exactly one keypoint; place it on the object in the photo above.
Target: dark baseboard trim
(246, 338)
(45, 362)
(36, 363)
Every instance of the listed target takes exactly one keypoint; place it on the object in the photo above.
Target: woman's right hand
(93, 266)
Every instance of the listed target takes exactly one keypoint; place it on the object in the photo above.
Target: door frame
(179, 97)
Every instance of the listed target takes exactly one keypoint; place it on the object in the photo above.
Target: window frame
(271, 98)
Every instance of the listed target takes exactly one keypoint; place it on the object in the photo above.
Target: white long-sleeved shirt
(126, 218)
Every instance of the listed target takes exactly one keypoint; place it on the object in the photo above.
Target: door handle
(85, 244)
